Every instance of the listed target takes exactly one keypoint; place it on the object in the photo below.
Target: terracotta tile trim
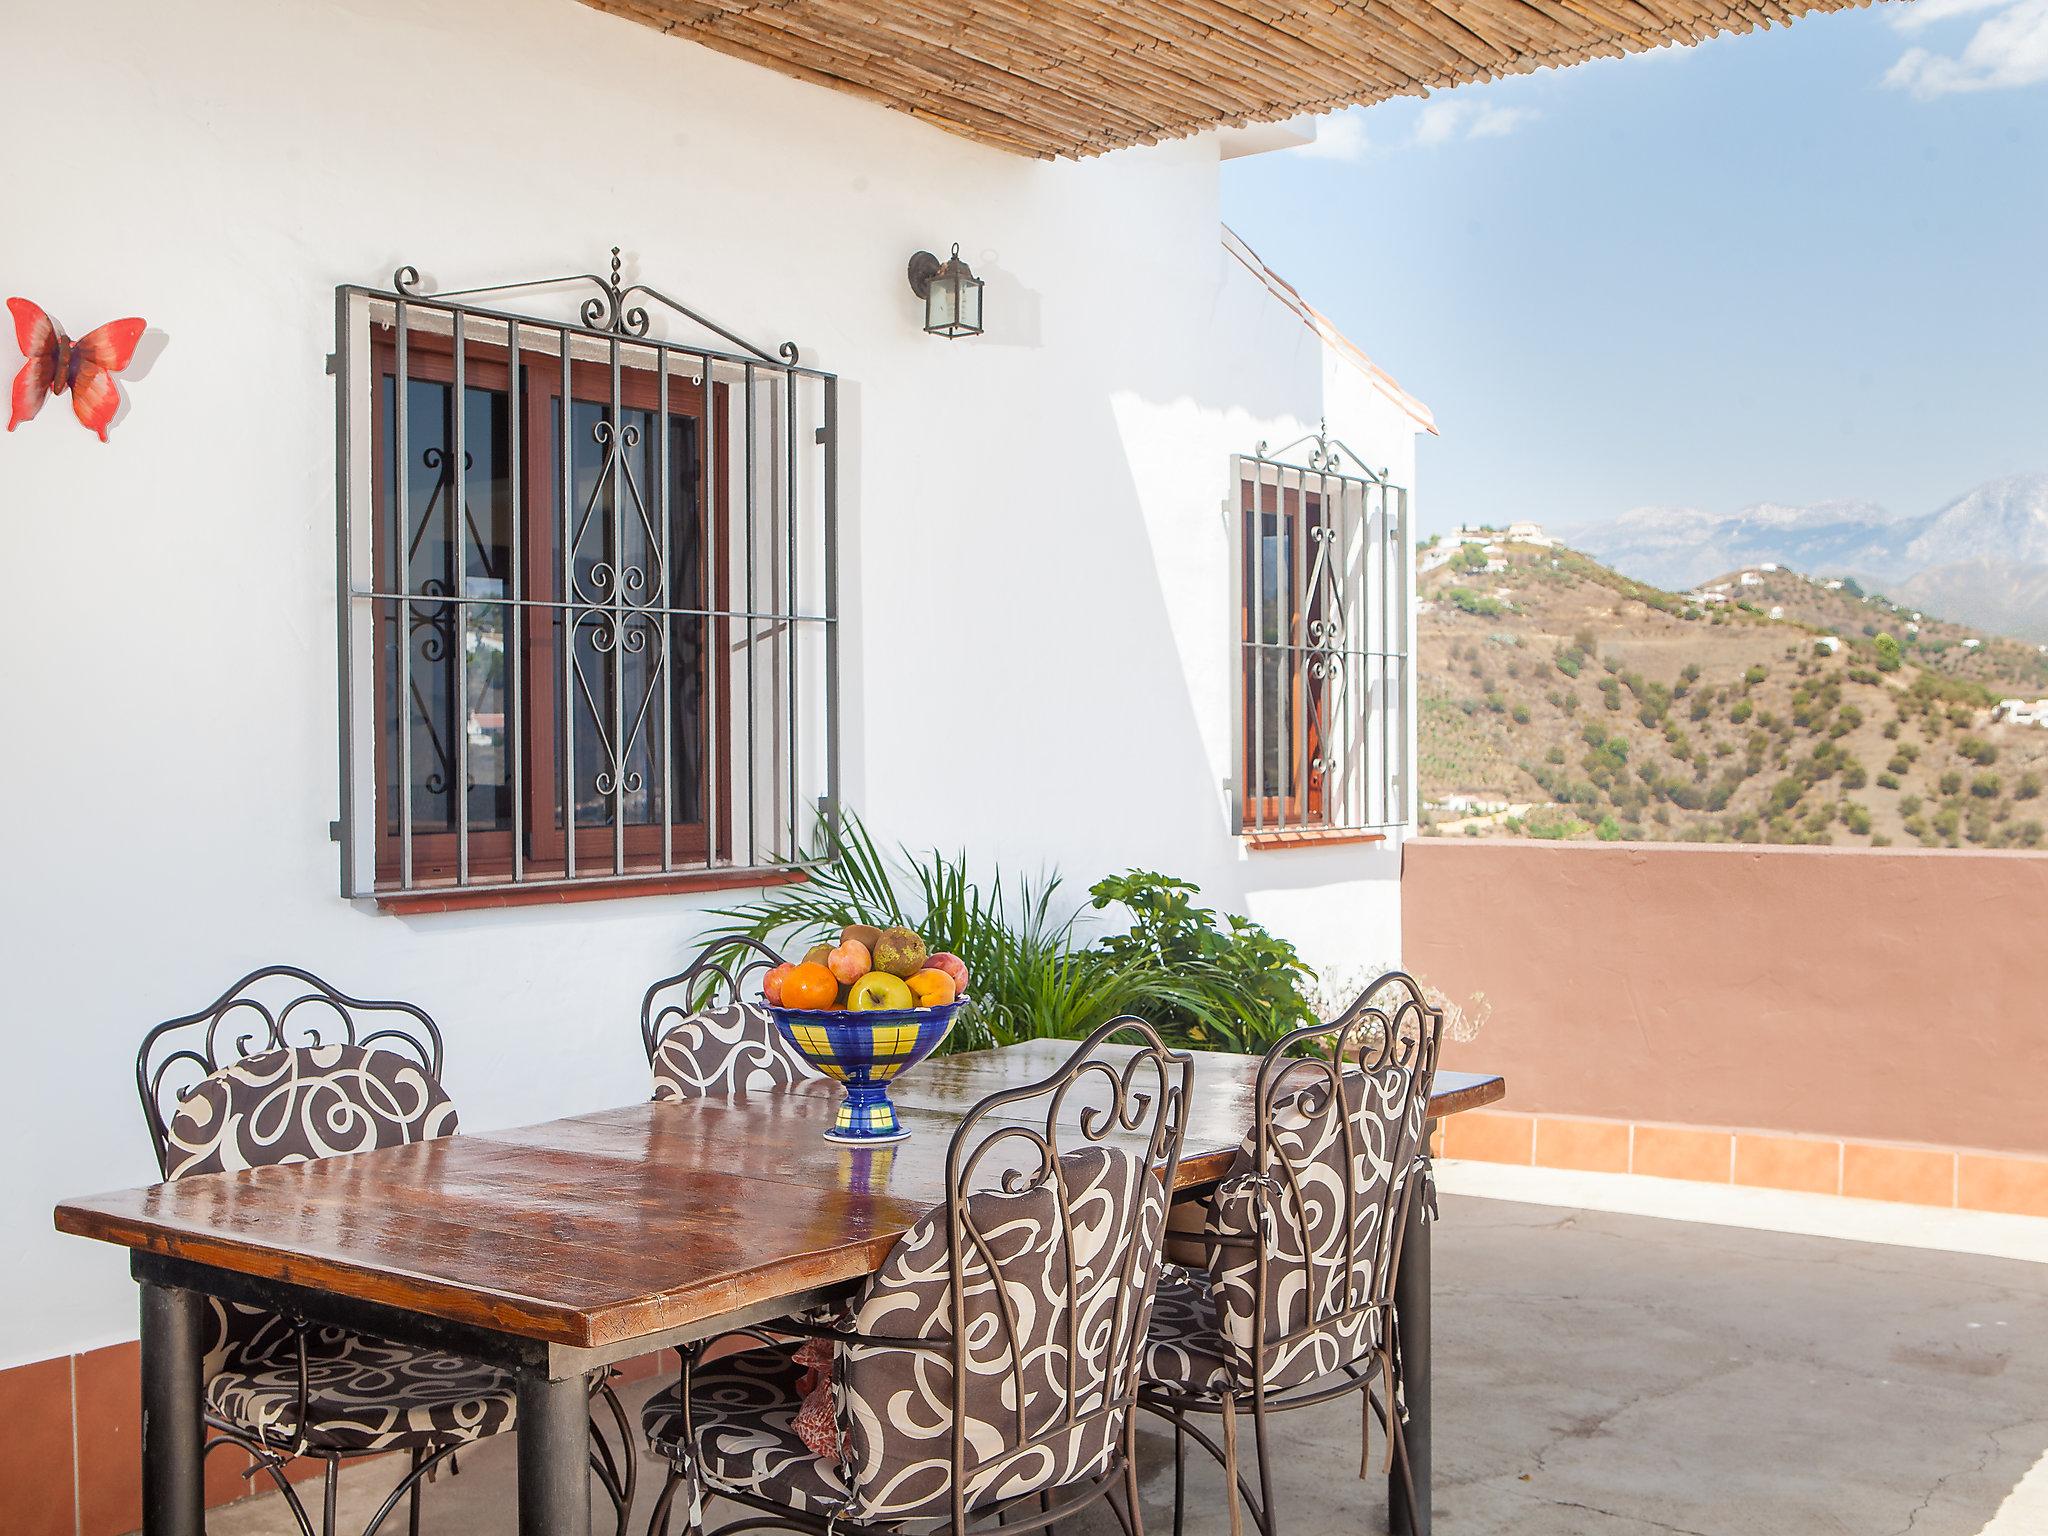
(1959, 1178)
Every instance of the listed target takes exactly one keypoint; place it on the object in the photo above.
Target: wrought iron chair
(1294, 1305)
(989, 1371)
(703, 1038)
(282, 1068)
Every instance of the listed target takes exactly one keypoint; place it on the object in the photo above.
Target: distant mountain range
(1982, 559)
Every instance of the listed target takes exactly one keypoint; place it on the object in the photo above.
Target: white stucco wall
(1034, 520)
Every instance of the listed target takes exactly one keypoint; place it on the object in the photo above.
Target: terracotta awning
(1071, 77)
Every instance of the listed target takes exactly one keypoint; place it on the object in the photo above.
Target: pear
(817, 954)
(899, 952)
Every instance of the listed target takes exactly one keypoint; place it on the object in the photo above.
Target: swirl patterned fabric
(364, 1394)
(721, 1052)
(296, 1104)
(1318, 1263)
(745, 1409)
(1185, 1351)
(1022, 1436)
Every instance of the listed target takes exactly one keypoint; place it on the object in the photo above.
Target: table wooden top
(618, 1225)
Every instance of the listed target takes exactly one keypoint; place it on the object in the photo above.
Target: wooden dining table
(555, 1250)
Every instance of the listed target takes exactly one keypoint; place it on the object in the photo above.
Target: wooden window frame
(1264, 814)
(430, 358)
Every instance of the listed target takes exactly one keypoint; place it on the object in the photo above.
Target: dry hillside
(1613, 709)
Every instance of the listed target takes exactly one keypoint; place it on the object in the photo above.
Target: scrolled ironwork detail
(275, 1008)
(609, 311)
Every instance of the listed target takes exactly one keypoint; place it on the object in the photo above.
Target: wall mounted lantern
(951, 293)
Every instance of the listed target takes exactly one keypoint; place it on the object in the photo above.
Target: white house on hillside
(466, 641)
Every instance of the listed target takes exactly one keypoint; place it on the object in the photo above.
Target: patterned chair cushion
(293, 1105)
(1185, 1352)
(745, 1410)
(300, 1103)
(721, 1052)
(363, 1394)
(1318, 1263)
(897, 1404)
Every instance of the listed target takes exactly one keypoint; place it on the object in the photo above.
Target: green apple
(878, 989)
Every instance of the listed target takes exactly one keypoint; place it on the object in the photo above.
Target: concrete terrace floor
(1607, 1374)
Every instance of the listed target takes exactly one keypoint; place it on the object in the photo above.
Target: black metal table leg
(173, 1433)
(554, 1455)
(1411, 1314)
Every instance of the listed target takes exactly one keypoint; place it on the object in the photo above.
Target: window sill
(1265, 842)
(477, 898)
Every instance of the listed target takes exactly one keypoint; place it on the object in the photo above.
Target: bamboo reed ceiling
(1079, 77)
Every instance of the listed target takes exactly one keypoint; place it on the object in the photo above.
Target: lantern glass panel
(970, 306)
(941, 303)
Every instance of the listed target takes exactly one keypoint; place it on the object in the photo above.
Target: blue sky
(1804, 264)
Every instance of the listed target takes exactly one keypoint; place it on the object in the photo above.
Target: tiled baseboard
(1955, 1177)
(71, 1454)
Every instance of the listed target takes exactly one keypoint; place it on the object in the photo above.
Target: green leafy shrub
(1245, 982)
(1205, 981)
(1468, 601)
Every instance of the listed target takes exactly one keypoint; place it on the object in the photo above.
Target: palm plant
(1033, 975)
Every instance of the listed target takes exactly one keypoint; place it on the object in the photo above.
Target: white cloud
(1925, 13)
(1340, 136)
(1446, 120)
(1499, 122)
(2008, 50)
(1442, 120)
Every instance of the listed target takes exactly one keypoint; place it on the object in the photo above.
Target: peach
(849, 961)
(771, 984)
(953, 966)
(932, 989)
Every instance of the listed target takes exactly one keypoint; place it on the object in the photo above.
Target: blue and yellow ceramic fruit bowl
(865, 1050)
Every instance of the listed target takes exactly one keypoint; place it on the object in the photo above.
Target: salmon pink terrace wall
(1878, 995)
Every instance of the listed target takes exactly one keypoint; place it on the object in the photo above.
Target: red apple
(849, 961)
(771, 984)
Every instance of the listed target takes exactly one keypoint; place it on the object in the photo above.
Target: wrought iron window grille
(1321, 694)
(588, 589)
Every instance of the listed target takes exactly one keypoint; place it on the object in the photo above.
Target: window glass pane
(419, 559)
(1271, 694)
(689, 636)
(623, 572)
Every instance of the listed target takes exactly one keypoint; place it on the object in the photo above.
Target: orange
(809, 986)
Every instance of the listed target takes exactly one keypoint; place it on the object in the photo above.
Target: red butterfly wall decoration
(56, 363)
